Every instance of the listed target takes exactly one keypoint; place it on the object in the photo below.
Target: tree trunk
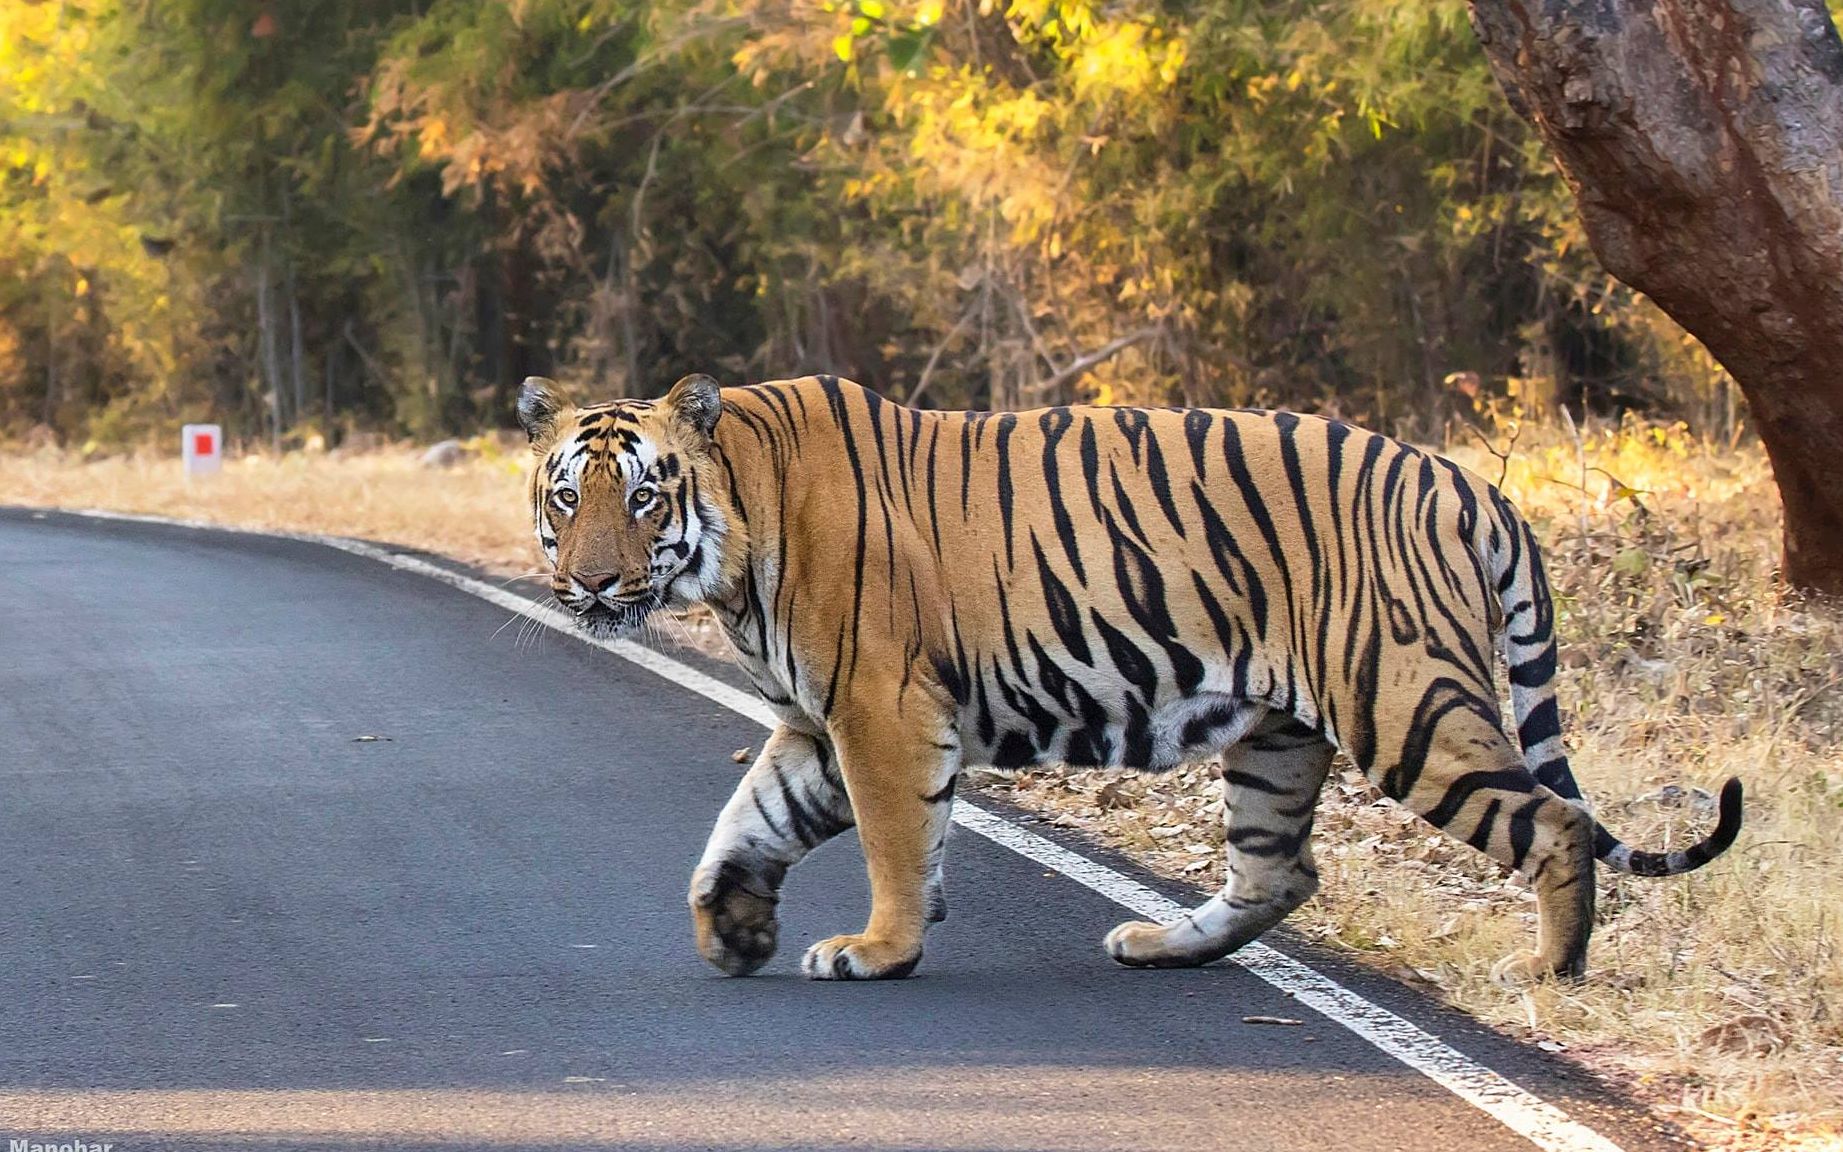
(268, 346)
(297, 353)
(51, 361)
(1704, 143)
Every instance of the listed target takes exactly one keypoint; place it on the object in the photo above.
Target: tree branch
(927, 372)
(1082, 365)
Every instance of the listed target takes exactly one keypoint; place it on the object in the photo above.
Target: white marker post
(201, 447)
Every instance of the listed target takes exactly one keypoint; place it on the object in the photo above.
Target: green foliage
(334, 213)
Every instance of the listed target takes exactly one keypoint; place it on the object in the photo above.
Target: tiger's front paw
(735, 925)
(859, 958)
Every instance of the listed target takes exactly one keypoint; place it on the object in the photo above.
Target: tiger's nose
(594, 582)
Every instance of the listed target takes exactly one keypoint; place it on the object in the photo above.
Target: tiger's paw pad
(1143, 944)
(736, 929)
(859, 958)
(1522, 969)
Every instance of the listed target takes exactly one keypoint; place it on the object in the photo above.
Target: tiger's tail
(1515, 565)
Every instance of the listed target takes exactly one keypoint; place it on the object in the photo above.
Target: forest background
(310, 219)
(333, 223)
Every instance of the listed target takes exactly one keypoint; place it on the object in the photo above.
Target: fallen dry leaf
(1754, 1034)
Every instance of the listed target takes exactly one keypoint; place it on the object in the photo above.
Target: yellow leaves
(81, 288)
(12, 359)
(43, 57)
(865, 16)
(28, 27)
(871, 185)
(1115, 61)
(928, 14)
(432, 136)
(1031, 14)
(1172, 65)
(972, 147)
(509, 145)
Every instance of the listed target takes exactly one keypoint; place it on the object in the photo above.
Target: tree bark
(1704, 143)
(268, 345)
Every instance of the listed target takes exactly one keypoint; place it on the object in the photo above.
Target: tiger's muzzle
(605, 623)
(605, 605)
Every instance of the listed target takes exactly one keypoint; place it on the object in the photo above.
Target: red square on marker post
(201, 448)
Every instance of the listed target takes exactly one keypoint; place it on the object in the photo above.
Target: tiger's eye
(642, 497)
(566, 497)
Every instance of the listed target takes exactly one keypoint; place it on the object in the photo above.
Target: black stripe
(1542, 723)
(836, 398)
(1006, 423)
(1536, 671)
(1055, 423)
(1064, 616)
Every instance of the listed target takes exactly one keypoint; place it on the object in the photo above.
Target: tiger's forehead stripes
(606, 431)
(607, 440)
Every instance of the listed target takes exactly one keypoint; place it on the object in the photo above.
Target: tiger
(913, 592)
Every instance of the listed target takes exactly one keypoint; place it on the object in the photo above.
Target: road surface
(297, 851)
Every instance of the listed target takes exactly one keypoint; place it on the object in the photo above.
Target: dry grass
(1718, 995)
(474, 512)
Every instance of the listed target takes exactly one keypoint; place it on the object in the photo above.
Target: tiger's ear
(537, 410)
(697, 401)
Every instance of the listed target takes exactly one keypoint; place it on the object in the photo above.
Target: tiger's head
(624, 501)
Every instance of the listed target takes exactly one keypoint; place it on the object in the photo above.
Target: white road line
(1529, 1116)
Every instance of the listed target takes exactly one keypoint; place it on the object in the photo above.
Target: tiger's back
(1109, 586)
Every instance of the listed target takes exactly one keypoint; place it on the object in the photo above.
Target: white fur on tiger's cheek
(547, 542)
(567, 473)
(702, 572)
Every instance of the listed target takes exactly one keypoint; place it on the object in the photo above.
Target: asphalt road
(227, 921)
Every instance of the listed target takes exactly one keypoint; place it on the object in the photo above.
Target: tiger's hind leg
(1466, 779)
(934, 892)
(1270, 782)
